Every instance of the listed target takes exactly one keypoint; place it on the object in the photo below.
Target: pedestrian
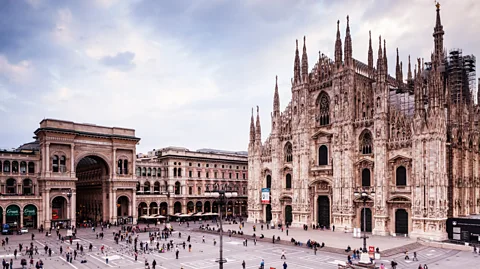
(203, 238)
(414, 256)
(33, 236)
(393, 264)
(154, 263)
(420, 266)
(333, 228)
(262, 264)
(176, 253)
(406, 255)
(273, 239)
(243, 264)
(214, 242)
(15, 253)
(284, 265)
(287, 232)
(283, 255)
(189, 248)
(106, 258)
(315, 249)
(136, 256)
(425, 266)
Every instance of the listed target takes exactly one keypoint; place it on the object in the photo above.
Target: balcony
(318, 170)
(400, 189)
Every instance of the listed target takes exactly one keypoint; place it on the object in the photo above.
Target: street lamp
(363, 194)
(221, 196)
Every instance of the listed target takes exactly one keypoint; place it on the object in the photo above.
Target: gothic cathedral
(350, 126)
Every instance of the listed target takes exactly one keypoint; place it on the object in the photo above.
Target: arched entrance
(123, 208)
(59, 212)
(323, 211)
(163, 209)
(401, 221)
(92, 173)
(30, 216)
(177, 207)
(142, 209)
(153, 208)
(190, 207)
(368, 216)
(229, 208)
(13, 216)
(288, 214)
(206, 207)
(198, 207)
(268, 211)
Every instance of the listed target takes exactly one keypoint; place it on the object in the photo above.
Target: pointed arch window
(401, 176)
(366, 182)
(323, 155)
(288, 152)
(366, 143)
(269, 181)
(324, 109)
(288, 181)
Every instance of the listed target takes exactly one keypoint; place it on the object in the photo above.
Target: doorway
(368, 216)
(323, 211)
(288, 215)
(401, 221)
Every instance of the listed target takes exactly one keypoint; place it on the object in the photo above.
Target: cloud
(187, 72)
(122, 60)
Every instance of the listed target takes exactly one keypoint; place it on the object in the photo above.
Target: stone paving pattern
(203, 255)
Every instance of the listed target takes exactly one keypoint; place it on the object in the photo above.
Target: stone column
(21, 218)
(114, 200)
(72, 160)
(46, 208)
(4, 216)
(47, 157)
(73, 208)
(133, 207)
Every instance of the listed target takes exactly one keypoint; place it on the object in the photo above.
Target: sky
(188, 72)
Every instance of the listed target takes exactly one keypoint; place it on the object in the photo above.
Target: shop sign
(29, 211)
(13, 212)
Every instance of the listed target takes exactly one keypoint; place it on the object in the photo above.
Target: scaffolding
(461, 76)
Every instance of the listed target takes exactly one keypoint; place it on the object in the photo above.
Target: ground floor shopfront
(20, 215)
(148, 206)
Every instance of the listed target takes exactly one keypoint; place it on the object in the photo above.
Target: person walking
(406, 255)
(154, 263)
(244, 264)
(284, 265)
(176, 253)
(283, 255)
(106, 258)
(287, 232)
(414, 256)
(203, 238)
(189, 247)
(262, 264)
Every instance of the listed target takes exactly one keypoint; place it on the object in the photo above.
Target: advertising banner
(265, 195)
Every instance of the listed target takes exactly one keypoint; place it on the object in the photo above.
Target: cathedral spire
(276, 99)
(304, 60)
(398, 71)
(296, 67)
(338, 47)
(348, 45)
(409, 74)
(380, 61)
(252, 129)
(258, 130)
(385, 56)
(370, 50)
(438, 37)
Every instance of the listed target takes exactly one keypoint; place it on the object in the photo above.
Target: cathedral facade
(413, 144)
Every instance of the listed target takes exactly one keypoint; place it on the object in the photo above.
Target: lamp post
(363, 194)
(221, 196)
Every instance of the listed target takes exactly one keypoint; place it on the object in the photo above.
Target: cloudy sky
(187, 73)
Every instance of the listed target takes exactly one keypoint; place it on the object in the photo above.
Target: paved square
(204, 255)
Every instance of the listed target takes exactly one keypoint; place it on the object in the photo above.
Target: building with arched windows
(75, 173)
(351, 126)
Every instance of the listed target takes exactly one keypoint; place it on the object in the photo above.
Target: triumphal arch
(87, 173)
